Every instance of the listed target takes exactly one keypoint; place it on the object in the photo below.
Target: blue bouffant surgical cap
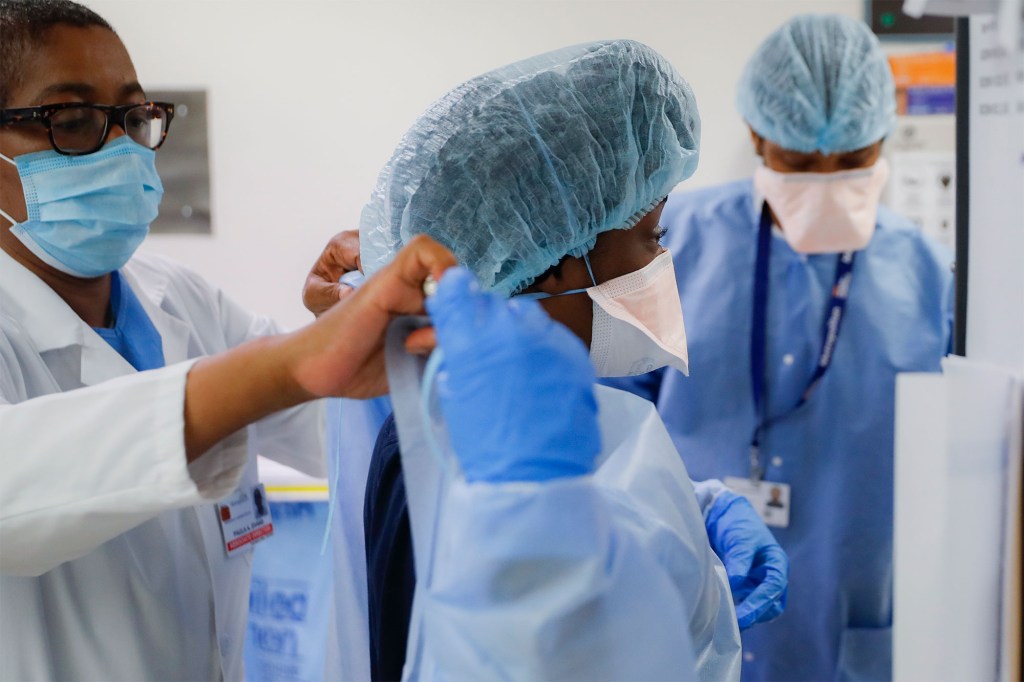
(819, 83)
(522, 166)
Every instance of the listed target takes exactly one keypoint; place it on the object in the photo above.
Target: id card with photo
(244, 519)
(770, 499)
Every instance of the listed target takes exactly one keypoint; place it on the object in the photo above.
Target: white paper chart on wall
(925, 191)
(995, 306)
(923, 182)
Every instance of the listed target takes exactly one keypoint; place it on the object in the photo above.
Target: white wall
(308, 98)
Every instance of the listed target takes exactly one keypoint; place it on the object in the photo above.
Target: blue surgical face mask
(87, 214)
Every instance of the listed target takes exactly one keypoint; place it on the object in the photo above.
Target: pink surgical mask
(638, 320)
(825, 212)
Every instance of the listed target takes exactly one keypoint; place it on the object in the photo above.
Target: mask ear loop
(590, 270)
(3, 213)
(429, 376)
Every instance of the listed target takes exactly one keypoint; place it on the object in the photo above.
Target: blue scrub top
(133, 335)
(836, 451)
(390, 567)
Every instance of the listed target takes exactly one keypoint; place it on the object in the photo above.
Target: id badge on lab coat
(244, 519)
(770, 499)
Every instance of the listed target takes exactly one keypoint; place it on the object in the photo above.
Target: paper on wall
(923, 188)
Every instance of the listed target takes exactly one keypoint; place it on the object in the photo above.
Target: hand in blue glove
(757, 567)
(516, 388)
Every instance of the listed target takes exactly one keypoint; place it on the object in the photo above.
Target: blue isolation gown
(608, 576)
(352, 427)
(836, 451)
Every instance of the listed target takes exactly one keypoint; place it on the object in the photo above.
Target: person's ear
(758, 142)
(562, 277)
(549, 282)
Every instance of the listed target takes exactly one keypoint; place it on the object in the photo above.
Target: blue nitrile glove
(516, 388)
(757, 566)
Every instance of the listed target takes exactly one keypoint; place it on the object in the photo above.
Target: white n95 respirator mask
(825, 212)
(638, 322)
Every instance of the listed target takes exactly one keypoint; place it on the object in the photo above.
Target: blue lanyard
(758, 335)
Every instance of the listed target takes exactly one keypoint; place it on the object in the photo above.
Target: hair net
(517, 168)
(819, 83)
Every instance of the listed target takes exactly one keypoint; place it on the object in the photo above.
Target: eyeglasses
(77, 128)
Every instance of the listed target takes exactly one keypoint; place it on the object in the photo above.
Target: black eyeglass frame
(115, 113)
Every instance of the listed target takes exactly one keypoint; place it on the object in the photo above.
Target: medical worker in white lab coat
(127, 382)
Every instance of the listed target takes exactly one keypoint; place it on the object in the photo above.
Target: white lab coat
(607, 576)
(112, 564)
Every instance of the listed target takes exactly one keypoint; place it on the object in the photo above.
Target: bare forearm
(340, 354)
(226, 392)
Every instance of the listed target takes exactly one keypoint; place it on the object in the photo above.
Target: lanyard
(758, 336)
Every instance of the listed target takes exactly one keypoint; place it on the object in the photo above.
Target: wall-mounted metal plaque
(184, 165)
